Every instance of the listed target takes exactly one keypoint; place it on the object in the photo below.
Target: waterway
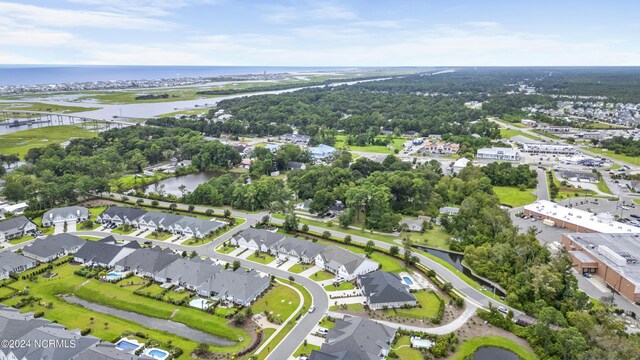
(155, 323)
(455, 260)
(494, 353)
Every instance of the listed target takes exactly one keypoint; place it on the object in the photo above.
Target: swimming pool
(114, 276)
(127, 345)
(157, 353)
(407, 280)
(200, 303)
(421, 343)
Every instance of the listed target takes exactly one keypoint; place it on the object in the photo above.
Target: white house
(16, 227)
(256, 239)
(344, 263)
(65, 214)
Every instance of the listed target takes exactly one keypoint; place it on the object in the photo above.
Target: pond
(191, 182)
(493, 353)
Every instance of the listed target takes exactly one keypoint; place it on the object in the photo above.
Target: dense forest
(622, 145)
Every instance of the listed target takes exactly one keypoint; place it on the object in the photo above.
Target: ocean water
(52, 74)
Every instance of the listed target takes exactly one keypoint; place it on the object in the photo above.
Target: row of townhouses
(336, 260)
(175, 224)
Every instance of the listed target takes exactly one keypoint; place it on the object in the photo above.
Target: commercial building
(460, 164)
(577, 220)
(498, 153)
(549, 149)
(613, 257)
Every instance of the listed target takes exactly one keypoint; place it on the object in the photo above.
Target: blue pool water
(158, 354)
(125, 345)
(407, 280)
(113, 275)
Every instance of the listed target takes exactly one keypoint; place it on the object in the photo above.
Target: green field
(20, 142)
(159, 236)
(350, 307)
(20, 240)
(512, 196)
(633, 160)
(77, 317)
(396, 144)
(429, 305)
(281, 302)
(343, 286)
(602, 186)
(468, 347)
(36, 106)
(225, 250)
(262, 258)
(298, 268)
(322, 275)
(403, 349)
(509, 133)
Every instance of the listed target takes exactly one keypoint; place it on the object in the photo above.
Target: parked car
(312, 308)
(503, 309)
(587, 275)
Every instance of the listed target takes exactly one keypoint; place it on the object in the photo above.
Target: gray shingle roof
(338, 255)
(64, 212)
(150, 260)
(357, 336)
(260, 236)
(190, 271)
(53, 245)
(128, 213)
(302, 247)
(98, 251)
(14, 223)
(10, 260)
(195, 224)
(106, 351)
(239, 284)
(384, 287)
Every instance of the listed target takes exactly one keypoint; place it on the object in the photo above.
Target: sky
(321, 33)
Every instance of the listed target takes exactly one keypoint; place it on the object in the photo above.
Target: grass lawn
(305, 350)
(611, 154)
(161, 236)
(177, 296)
(509, 133)
(437, 237)
(298, 268)
(153, 289)
(5, 291)
(225, 250)
(512, 196)
(343, 286)
(21, 239)
(352, 307)
(281, 301)
(121, 230)
(429, 307)
(73, 316)
(403, 349)
(90, 238)
(322, 275)
(325, 323)
(45, 230)
(615, 166)
(262, 258)
(20, 142)
(602, 186)
(570, 191)
(468, 347)
(127, 182)
(36, 106)
(341, 143)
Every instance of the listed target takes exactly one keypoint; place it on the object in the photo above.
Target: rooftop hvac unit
(611, 255)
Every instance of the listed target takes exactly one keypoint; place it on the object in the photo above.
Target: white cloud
(68, 18)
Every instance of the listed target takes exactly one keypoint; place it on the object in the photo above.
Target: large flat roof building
(548, 149)
(498, 153)
(613, 257)
(577, 220)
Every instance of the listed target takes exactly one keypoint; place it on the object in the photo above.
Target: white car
(503, 309)
(312, 308)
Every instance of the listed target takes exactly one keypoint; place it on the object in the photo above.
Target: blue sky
(320, 33)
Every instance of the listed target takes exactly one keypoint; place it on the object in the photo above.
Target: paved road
(542, 190)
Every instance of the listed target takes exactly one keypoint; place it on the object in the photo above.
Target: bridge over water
(16, 118)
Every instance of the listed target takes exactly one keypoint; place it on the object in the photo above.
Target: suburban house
(64, 214)
(194, 227)
(16, 227)
(385, 290)
(256, 239)
(449, 210)
(302, 250)
(187, 272)
(16, 209)
(53, 247)
(146, 261)
(356, 338)
(156, 221)
(104, 253)
(120, 215)
(26, 328)
(294, 165)
(460, 164)
(12, 263)
(344, 263)
(411, 224)
(296, 139)
(240, 287)
(322, 151)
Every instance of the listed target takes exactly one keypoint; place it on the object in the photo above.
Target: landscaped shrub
(38, 314)
(85, 332)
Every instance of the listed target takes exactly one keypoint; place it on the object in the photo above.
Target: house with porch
(65, 214)
(345, 264)
(16, 227)
(256, 239)
(53, 247)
